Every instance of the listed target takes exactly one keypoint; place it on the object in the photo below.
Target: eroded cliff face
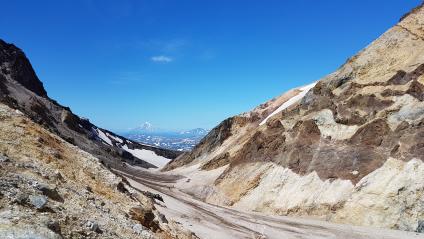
(229, 134)
(351, 150)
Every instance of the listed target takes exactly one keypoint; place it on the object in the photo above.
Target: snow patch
(115, 138)
(291, 101)
(148, 156)
(103, 137)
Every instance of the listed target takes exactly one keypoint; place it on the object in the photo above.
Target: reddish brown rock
(145, 217)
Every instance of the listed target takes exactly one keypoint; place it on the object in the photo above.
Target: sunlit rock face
(56, 177)
(348, 148)
(52, 189)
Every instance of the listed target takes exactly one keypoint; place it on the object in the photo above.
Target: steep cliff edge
(349, 149)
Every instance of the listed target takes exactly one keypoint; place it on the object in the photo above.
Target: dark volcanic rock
(19, 68)
(420, 227)
(54, 226)
(213, 139)
(152, 195)
(50, 192)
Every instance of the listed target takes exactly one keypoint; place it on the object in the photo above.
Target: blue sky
(185, 64)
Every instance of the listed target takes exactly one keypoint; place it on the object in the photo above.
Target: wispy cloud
(161, 59)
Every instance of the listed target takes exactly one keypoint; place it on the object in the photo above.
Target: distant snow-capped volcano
(146, 126)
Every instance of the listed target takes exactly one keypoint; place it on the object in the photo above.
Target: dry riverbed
(210, 222)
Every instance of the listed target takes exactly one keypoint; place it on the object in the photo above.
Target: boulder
(39, 202)
(145, 217)
(138, 228)
(4, 159)
(50, 192)
(93, 226)
(152, 195)
(53, 226)
(21, 199)
(420, 227)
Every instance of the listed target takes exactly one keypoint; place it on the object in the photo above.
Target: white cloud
(161, 59)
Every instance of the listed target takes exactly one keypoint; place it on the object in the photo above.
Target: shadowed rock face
(21, 89)
(16, 66)
(363, 120)
(230, 128)
(212, 140)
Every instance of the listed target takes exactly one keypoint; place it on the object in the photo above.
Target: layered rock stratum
(348, 148)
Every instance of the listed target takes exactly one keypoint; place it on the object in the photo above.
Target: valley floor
(210, 221)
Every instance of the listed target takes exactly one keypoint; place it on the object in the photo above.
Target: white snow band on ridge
(103, 136)
(291, 101)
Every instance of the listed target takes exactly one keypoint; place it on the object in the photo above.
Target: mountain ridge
(56, 176)
(21, 89)
(16, 65)
(347, 151)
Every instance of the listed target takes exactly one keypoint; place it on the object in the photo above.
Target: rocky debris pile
(52, 189)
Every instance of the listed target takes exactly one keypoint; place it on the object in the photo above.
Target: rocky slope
(55, 178)
(21, 89)
(348, 148)
(52, 189)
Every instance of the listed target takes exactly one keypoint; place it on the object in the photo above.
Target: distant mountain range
(169, 139)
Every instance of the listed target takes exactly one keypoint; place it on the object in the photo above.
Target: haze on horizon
(186, 64)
